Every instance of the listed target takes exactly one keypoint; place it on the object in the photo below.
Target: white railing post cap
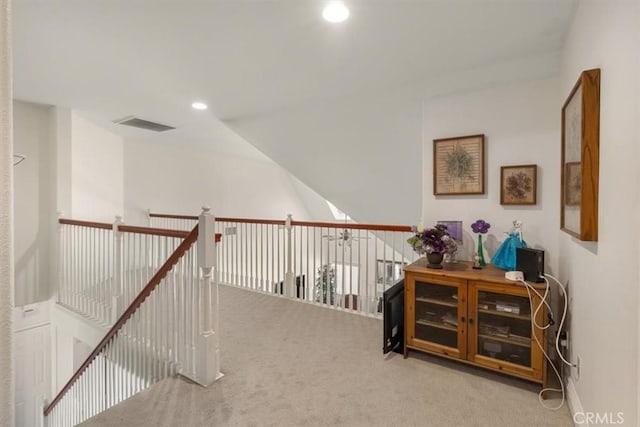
(206, 209)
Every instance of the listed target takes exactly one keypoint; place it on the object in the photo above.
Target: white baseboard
(573, 400)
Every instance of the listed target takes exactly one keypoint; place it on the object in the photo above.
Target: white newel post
(148, 217)
(117, 301)
(208, 350)
(63, 292)
(288, 275)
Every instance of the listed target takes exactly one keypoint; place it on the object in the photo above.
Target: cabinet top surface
(463, 270)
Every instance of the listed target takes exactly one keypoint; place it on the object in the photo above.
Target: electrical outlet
(230, 231)
(578, 366)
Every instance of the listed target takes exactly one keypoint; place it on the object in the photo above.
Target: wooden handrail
(191, 238)
(88, 224)
(156, 215)
(370, 227)
(181, 234)
(153, 231)
(252, 221)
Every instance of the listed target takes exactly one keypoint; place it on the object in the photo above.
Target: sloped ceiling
(337, 105)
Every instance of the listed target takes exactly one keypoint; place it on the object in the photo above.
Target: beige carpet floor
(288, 363)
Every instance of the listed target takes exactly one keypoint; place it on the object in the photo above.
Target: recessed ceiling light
(199, 106)
(335, 12)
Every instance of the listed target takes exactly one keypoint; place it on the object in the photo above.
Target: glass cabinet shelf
(436, 314)
(438, 302)
(526, 317)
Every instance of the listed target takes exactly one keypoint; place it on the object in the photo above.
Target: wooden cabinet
(475, 316)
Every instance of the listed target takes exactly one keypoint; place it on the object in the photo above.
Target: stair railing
(341, 265)
(104, 266)
(169, 327)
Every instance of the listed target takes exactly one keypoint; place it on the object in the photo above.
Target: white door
(32, 374)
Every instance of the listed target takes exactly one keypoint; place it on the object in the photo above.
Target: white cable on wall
(548, 359)
(534, 325)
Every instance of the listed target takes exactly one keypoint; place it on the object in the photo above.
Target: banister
(88, 224)
(153, 231)
(251, 221)
(181, 234)
(190, 239)
(239, 220)
(371, 227)
(171, 216)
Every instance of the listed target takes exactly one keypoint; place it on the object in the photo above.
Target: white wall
(72, 166)
(603, 276)
(173, 178)
(521, 123)
(97, 171)
(34, 203)
(363, 151)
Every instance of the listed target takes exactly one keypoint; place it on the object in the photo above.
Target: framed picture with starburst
(458, 165)
(518, 184)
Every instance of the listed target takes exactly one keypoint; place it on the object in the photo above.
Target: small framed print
(458, 165)
(518, 185)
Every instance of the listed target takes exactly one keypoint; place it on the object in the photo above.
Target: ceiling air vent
(143, 124)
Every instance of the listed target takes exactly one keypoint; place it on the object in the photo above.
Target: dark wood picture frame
(518, 185)
(458, 165)
(580, 158)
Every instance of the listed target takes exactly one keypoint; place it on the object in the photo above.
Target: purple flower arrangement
(433, 240)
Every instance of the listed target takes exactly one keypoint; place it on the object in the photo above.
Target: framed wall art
(580, 158)
(518, 185)
(458, 165)
(454, 228)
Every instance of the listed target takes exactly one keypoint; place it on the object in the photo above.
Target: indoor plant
(434, 242)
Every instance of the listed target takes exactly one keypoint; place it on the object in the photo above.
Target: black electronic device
(531, 263)
(300, 287)
(393, 318)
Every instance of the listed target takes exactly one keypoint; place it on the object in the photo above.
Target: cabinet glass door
(436, 313)
(504, 327)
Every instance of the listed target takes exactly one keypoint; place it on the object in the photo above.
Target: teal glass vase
(481, 260)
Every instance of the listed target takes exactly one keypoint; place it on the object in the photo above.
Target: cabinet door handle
(462, 319)
(470, 321)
